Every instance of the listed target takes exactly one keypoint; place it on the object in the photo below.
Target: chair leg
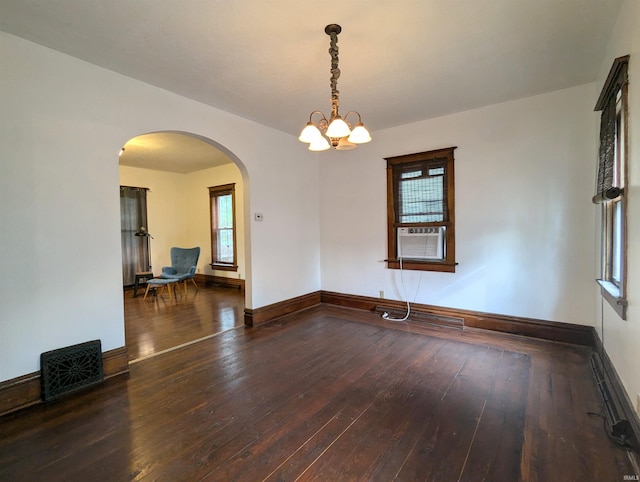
(184, 283)
(194, 283)
(146, 292)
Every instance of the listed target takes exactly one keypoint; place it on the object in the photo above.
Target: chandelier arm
(317, 112)
(353, 112)
(323, 123)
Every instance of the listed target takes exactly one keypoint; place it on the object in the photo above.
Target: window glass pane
(616, 242)
(225, 245)
(225, 212)
(409, 175)
(421, 200)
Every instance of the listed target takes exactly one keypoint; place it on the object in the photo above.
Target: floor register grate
(67, 370)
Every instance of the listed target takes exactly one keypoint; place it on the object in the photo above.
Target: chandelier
(336, 129)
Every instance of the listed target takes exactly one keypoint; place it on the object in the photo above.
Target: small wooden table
(145, 275)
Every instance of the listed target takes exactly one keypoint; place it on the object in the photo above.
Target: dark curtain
(618, 77)
(133, 216)
(606, 157)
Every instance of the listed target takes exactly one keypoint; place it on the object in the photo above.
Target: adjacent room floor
(326, 394)
(159, 323)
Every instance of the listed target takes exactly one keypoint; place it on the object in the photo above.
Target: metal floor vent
(69, 369)
(620, 429)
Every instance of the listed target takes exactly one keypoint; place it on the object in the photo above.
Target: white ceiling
(171, 151)
(401, 60)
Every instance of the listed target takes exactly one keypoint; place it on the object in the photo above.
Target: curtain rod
(135, 187)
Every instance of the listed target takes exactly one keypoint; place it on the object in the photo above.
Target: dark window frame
(611, 181)
(429, 159)
(214, 193)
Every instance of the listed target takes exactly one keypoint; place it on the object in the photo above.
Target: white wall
(166, 210)
(178, 212)
(62, 125)
(198, 212)
(524, 221)
(621, 337)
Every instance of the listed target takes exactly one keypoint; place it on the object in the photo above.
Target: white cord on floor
(385, 315)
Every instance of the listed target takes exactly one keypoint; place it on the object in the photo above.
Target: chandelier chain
(335, 73)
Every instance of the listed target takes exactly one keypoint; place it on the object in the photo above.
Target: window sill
(224, 267)
(611, 293)
(441, 266)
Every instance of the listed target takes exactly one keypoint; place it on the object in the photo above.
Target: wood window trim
(448, 264)
(611, 293)
(223, 267)
(615, 293)
(214, 192)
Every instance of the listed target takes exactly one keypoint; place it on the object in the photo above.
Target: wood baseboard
(548, 330)
(270, 312)
(209, 280)
(24, 391)
(115, 362)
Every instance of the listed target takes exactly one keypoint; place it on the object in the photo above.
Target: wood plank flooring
(158, 323)
(328, 394)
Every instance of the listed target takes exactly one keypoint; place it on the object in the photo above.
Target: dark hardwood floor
(158, 323)
(325, 394)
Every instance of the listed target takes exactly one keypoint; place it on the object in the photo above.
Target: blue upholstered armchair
(183, 265)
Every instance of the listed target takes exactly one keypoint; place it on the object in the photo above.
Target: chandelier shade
(309, 133)
(319, 144)
(359, 134)
(344, 144)
(337, 129)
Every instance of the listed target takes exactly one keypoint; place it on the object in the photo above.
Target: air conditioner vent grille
(421, 243)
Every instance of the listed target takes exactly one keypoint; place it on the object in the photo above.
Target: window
(610, 185)
(223, 227)
(420, 211)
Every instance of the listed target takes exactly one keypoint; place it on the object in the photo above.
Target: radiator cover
(67, 370)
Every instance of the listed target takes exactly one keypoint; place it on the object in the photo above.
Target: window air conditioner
(421, 243)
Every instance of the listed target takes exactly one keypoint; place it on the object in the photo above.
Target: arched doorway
(178, 171)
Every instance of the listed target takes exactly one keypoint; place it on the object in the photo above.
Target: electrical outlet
(381, 294)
